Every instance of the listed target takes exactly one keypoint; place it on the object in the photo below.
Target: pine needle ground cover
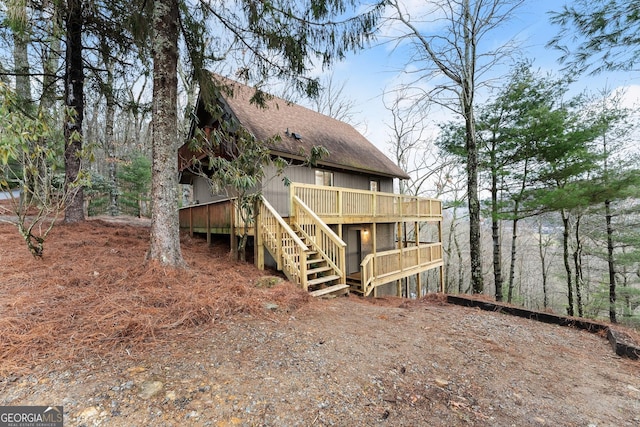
(92, 294)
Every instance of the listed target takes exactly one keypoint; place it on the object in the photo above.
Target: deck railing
(208, 216)
(323, 239)
(311, 208)
(388, 266)
(346, 203)
(283, 244)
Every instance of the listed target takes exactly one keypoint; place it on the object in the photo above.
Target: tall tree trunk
(475, 247)
(20, 55)
(50, 63)
(512, 264)
(514, 230)
(23, 87)
(74, 102)
(565, 258)
(110, 145)
(610, 263)
(165, 231)
(577, 263)
(468, 87)
(541, 252)
(495, 230)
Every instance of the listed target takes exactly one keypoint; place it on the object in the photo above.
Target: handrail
(284, 225)
(320, 223)
(339, 202)
(287, 248)
(384, 267)
(367, 273)
(323, 239)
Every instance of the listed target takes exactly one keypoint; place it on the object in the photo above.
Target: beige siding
(386, 185)
(277, 193)
(386, 236)
(353, 255)
(361, 182)
(201, 191)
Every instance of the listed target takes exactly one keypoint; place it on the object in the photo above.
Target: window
(324, 178)
(374, 185)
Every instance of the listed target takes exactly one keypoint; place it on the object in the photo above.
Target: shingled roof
(302, 128)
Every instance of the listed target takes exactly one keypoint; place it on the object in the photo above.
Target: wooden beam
(208, 225)
(334, 290)
(258, 244)
(374, 236)
(441, 255)
(233, 241)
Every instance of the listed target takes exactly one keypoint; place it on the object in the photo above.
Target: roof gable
(300, 129)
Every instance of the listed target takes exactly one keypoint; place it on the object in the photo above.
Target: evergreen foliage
(134, 179)
(28, 141)
(607, 32)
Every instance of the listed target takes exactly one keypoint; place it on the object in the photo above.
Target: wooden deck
(310, 253)
(337, 205)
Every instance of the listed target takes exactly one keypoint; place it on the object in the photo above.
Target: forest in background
(540, 189)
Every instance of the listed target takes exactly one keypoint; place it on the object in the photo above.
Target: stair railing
(384, 267)
(321, 238)
(368, 274)
(285, 246)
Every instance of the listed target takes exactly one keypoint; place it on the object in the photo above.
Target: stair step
(331, 290)
(356, 291)
(316, 261)
(319, 269)
(321, 280)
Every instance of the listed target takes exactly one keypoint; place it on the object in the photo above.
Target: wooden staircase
(298, 255)
(355, 283)
(322, 279)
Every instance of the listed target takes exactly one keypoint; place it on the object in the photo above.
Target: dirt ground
(122, 343)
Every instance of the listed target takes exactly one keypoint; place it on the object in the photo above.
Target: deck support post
(419, 261)
(233, 238)
(258, 247)
(442, 266)
(208, 225)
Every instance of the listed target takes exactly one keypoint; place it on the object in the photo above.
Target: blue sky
(369, 73)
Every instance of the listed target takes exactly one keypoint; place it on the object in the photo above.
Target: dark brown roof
(348, 149)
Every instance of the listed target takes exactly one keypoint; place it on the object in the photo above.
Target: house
(333, 227)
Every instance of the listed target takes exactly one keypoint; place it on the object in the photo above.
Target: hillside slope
(122, 344)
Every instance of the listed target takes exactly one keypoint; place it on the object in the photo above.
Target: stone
(441, 383)
(148, 389)
(88, 413)
(270, 306)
